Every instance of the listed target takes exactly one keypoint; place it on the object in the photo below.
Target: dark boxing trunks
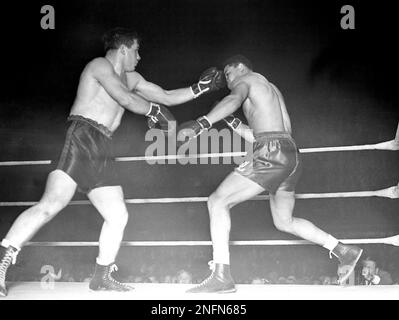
(275, 164)
(87, 155)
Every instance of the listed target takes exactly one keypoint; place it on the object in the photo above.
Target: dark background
(339, 86)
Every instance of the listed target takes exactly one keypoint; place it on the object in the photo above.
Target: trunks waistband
(100, 127)
(272, 135)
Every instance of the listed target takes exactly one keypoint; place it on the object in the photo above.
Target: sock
(6, 243)
(221, 257)
(103, 262)
(331, 243)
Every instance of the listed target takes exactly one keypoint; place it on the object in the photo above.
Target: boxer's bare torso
(264, 106)
(92, 100)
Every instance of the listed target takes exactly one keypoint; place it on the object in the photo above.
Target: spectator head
(326, 281)
(291, 279)
(257, 280)
(167, 279)
(282, 280)
(184, 276)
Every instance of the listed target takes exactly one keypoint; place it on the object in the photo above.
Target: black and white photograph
(195, 156)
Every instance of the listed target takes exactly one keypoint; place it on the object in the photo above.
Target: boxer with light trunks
(275, 167)
(108, 86)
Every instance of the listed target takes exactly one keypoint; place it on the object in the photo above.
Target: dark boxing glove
(160, 116)
(191, 129)
(232, 121)
(211, 79)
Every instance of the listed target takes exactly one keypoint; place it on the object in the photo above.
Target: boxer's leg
(110, 203)
(282, 206)
(233, 190)
(59, 190)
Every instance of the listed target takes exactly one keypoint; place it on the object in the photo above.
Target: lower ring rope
(394, 240)
(392, 193)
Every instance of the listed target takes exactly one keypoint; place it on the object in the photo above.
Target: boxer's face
(231, 72)
(131, 57)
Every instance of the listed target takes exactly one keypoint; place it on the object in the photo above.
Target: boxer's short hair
(235, 60)
(114, 38)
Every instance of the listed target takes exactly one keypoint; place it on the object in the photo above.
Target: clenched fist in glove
(232, 121)
(160, 115)
(211, 79)
(191, 129)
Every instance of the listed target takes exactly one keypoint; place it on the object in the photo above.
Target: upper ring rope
(391, 145)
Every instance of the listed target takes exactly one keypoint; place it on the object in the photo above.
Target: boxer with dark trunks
(108, 86)
(275, 167)
(87, 155)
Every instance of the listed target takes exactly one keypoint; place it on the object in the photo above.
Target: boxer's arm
(229, 104)
(104, 73)
(155, 93)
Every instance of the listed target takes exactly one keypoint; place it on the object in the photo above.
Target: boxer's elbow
(134, 105)
(169, 98)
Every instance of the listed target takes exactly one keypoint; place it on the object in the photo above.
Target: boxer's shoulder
(133, 78)
(99, 64)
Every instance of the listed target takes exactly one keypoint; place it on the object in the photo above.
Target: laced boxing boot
(8, 256)
(102, 279)
(348, 256)
(220, 281)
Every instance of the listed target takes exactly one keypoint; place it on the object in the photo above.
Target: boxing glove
(160, 116)
(191, 129)
(210, 80)
(232, 121)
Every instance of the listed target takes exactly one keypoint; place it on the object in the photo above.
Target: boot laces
(114, 268)
(10, 257)
(211, 265)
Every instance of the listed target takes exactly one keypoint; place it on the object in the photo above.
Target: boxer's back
(264, 107)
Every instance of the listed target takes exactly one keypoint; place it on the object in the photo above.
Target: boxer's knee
(217, 200)
(47, 209)
(284, 224)
(118, 216)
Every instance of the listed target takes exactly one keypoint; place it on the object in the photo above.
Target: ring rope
(394, 240)
(392, 193)
(391, 145)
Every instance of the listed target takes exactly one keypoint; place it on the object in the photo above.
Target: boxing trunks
(275, 163)
(87, 155)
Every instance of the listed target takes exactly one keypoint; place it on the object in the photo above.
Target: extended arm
(153, 92)
(104, 73)
(229, 104)
(210, 80)
(224, 108)
(106, 76)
